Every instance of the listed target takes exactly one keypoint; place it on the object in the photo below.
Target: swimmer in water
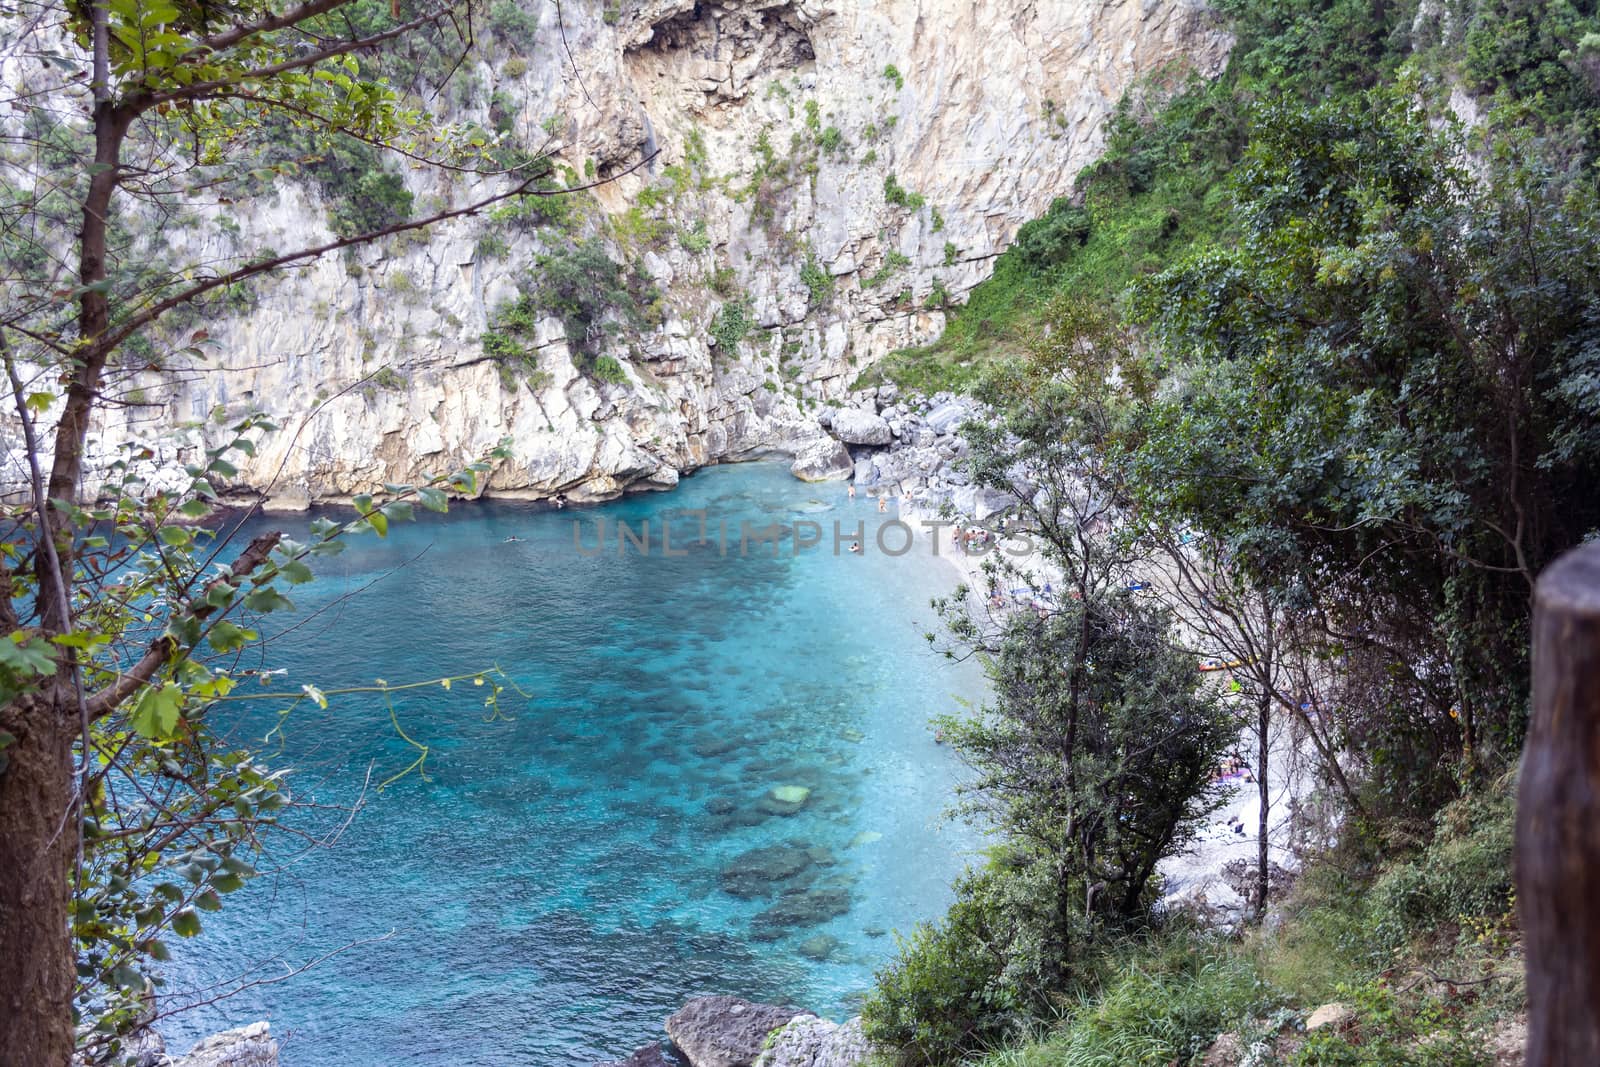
(855, 546)
(852, 490)
(883, 502)
(510, 540)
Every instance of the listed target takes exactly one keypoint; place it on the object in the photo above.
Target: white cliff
(778, 125)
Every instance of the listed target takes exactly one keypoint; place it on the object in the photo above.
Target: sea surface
(565, 869)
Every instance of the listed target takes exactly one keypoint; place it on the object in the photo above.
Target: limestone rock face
(812, 1042)
(725, 1031)
(835, 169)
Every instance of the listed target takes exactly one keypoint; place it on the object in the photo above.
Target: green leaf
(156, 714)
(267, 599)
(26, 656)
(186, 923)
(208, 901)
(380, 523)
(226, 637)
(433, 499)
(296, 572)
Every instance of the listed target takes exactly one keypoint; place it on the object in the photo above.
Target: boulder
(649, 1056)
(822, 460)
(725, 1031)
(1334, 1015)
(856, 427)
(812, 1042)
(248, 1046)
(946, 418)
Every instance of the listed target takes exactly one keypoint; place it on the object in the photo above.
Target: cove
(573, 866)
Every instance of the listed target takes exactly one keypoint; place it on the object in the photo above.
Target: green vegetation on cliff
(1327, 359)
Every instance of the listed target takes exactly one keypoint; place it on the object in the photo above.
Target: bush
(514, 25)
(1461, 878)
(1051, 238)
(731, 325)
(607, 369)
(945, 994)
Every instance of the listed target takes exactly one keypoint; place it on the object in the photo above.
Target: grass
(1424, 950)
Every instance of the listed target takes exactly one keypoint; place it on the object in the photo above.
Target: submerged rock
(812, 1042)
(819, 947)
(784, 799)
(725, 1031)
(807, 907)
(757, 873)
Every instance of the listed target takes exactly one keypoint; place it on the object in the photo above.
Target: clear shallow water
(560, 881)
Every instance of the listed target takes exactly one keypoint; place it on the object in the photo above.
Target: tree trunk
(37, 841)
(1558, 817)
(1264, 792)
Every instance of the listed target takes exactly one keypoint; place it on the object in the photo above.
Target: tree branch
(163, 648)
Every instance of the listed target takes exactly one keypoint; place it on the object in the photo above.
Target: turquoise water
(570, 870)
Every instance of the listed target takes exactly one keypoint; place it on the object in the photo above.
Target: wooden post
(1558, 817)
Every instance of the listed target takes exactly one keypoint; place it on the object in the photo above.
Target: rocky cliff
(827, 176)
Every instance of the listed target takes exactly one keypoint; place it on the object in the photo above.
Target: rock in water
(248, 1046)
(822, 460)
(812, 1042)
(784, 799)
(649, 1056)
(725, 1031)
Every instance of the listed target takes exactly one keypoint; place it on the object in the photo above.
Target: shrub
(895, 193)
(607, 369)
(818, 282)
(892, 262)
(944, 993)
(696, 240)
(892, 74)
(1464, 874)
(731, 325)
(1051, 238)
(514, 25)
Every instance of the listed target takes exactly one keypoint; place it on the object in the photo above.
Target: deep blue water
(574, 867)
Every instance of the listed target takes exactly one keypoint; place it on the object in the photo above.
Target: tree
(1383, 401)
(1097, 758)
(122, 621)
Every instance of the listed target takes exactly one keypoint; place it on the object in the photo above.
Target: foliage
(514, 25)
(818, 282)
(893, 262)
(732, 324)
(1383, 377)
(899, 195)
(955, 987)
(891, 74)
(125, 617)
